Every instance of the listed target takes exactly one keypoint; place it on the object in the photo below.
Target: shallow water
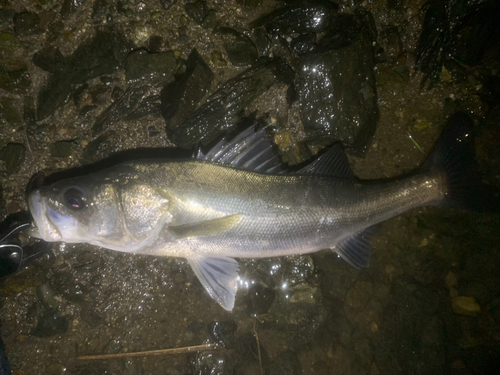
(310, 314)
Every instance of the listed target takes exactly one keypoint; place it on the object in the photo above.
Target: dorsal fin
(332, 163)
(250, 150)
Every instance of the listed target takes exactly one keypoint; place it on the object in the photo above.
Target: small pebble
(466, 306)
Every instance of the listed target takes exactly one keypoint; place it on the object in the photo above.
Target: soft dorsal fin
(332, 163)
(250, 150)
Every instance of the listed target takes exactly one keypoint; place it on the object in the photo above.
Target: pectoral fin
(205, 228)
(219, 276)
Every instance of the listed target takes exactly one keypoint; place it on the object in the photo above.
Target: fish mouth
(46, 229)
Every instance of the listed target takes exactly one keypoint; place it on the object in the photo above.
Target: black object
(12, 255)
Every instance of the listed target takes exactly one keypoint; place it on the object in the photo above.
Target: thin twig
(258, 346)
(186, 349)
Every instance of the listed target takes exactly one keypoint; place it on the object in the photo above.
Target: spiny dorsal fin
(332, 163)
(250, 150)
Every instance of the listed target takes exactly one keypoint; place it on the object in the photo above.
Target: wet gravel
(429, 303)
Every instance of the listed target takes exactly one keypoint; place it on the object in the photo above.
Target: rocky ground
(429, 303)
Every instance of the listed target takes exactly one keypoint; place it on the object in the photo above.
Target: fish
(238, 201)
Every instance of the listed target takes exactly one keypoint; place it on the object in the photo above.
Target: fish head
(116, 213)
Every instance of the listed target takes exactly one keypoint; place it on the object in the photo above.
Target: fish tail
(454, 156)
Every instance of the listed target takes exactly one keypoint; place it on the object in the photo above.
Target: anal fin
(356, 250)
(219, 277)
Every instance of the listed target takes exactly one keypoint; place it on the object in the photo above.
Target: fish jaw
(46, 229)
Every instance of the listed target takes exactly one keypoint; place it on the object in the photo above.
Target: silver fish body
(210, 210)
(271, 215)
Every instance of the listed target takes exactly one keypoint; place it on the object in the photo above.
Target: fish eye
(74, 198)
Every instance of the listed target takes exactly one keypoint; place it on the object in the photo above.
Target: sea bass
(237, 202)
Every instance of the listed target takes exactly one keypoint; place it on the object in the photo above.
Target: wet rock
(91, 316)
(16, 81)
(262, 41)
(101, 147)
(54, 95)
(196, 11)
(96, 280)
(151, 68)
(222, 332)
(121, 9)
(239, 48)
(50, 59)
(259, 299)
(297, 270)
(71, 6)
(359, 306)
(150, 106)
(206, 362)
(294, 322)
(98, 56)
(10, 113)
(113, 346)
(210, 20)
(406, 341)
(100, 94)
(10, 51)
(55, 369)
(303, 43)
(91, 369)
(464, 33)
(467, 306)
(87, 260)
(16, 283)
(337, 279)
(46, 296)
(181, 97)
(304, 294)
(281, 48)
(337, 96)
(286, 363)
(391, 43)
(217, 59)
(155, 44)
(65, 284)
(13, 156)
(300, 18)
(35, 311)
(389, 79)
(223, 109)
(62, 149)
(195, 327)
(6, 19)
(27, 23)
(99, 9)
(433, 332)
(246, 347)
(50, 325)
(122, 107)
(116, 93)
(476, 289)
(167, 4)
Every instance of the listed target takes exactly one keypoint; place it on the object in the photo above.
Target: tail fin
(454, 155)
